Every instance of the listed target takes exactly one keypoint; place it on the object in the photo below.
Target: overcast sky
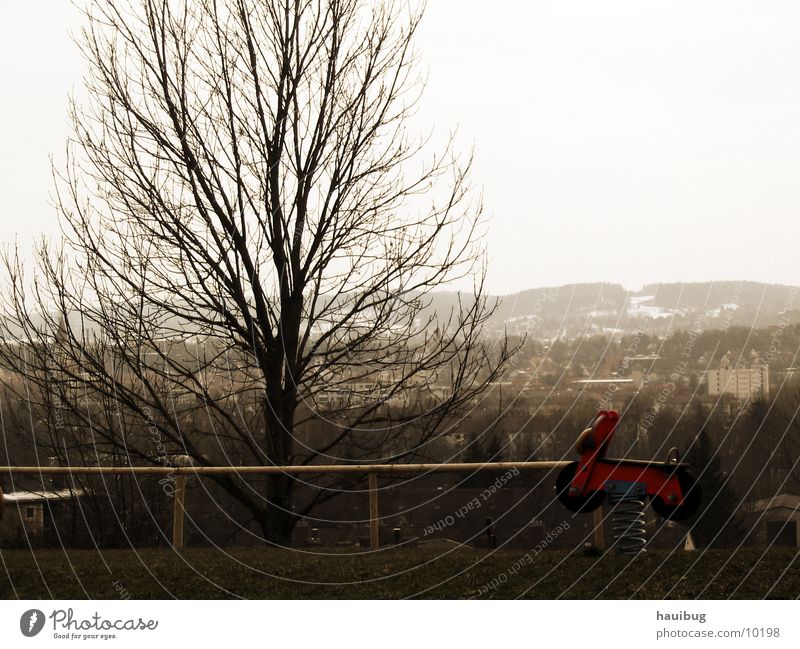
(630, 142)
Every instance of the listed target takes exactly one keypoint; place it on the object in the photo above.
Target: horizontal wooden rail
(180, 473)
(259, 470)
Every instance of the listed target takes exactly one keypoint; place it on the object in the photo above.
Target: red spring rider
(582, 486)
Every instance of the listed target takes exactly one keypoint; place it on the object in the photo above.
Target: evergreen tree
(718, 523)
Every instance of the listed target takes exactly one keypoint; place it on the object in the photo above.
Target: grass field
(391, 573)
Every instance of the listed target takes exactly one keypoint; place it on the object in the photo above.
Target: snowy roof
(40, 496)
(783, 501)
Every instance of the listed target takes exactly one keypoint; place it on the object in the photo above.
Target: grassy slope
(264, 574)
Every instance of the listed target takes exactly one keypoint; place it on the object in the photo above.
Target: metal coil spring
(629, 524)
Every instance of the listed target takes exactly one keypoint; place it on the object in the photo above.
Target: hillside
(576, 309)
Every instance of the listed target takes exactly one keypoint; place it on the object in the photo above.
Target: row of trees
(739, 456)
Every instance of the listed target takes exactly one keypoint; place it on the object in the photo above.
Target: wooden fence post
(178, 512)
(599, 532)
(374, 536)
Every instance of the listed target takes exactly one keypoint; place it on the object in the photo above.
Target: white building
(744, 383)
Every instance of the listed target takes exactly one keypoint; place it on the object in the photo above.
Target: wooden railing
(180, 473)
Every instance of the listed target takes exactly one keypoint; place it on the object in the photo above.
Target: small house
(775, 520)
(27, 515)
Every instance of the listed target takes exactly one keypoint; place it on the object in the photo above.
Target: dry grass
(391, 573)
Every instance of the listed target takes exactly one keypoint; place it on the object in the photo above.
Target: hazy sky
(621, 141)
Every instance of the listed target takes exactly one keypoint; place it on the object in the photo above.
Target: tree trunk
(277, 521)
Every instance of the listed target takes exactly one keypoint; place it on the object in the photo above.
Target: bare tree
(252, 236)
